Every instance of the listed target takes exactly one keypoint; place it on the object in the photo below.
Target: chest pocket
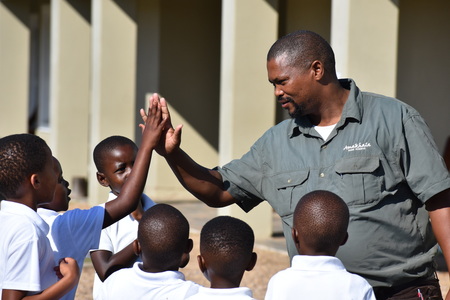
(290, 188)
(359, 180)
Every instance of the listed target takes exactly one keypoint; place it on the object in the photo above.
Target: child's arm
(129, 196)
(70, 272)
(105, 262)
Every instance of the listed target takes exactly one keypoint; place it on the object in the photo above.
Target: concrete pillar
(247, 105)
(70, 87)
(364, 39)
(14, 66)
(113, 81)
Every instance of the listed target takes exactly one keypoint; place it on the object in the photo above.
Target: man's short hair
(301, 48)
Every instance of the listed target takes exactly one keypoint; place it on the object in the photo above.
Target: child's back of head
(163, 238)
(226, 251)
(21, 156)
(320, 223)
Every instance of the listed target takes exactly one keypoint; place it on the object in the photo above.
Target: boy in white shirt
(226, 252)
(320, 228)
(27, 178)
(163, 243)
(77, 231)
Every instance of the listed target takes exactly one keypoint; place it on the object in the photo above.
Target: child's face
(117, 167)
(61, 197)
(48, 180)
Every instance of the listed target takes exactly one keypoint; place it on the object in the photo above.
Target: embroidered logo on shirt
(357, 147)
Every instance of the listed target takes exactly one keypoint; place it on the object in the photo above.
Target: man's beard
(299, 110)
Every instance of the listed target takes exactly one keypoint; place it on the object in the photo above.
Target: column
(14, 63)
(70, 87)
(113, 81)
(364, 38)
(247, 105)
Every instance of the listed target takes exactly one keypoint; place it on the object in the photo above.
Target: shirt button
(324, 146)
(289, 181)
(322, 175)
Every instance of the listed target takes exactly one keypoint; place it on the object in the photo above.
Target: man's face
(117, 167)
(293, 87)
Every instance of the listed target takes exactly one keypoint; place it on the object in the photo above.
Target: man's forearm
(205, 184)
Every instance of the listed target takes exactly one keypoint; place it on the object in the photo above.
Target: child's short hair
(322, 218)
(108, 144)
(229, 242)
(21, 155)
(163, 233)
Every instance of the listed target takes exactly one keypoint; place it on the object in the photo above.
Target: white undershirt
(325, 131)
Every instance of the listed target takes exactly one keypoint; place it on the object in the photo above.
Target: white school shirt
(239, 293)
(318, 277)
(133, 283)
(119, 235)
(73, 233)
(26, 258)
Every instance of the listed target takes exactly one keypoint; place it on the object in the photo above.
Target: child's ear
(35, 181)
(189, 245)
(252, 262)
(294, 233)
(345, 239)
(136, 247)
(201, 263)
(185, 257)
(101, 178)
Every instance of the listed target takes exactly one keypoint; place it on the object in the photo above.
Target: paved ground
(272, 256)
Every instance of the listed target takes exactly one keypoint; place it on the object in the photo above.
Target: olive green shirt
(380, 158)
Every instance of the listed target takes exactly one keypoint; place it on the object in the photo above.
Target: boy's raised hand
(171, 137)
(155, 122)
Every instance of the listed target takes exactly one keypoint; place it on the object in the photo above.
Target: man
(375, 152)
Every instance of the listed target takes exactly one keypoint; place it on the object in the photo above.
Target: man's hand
(171, 137)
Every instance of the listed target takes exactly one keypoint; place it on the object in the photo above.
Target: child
(226, 252)
(163, 243)
(77, 231)
(27, 263)
(114, 158)
(320, 228)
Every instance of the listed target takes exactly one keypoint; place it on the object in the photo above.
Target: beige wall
(14, 66)
(424, 63)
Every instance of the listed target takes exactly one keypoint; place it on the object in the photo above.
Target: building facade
(77, 71)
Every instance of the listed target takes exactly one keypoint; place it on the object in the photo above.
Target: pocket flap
(357, 165)
(285, 180)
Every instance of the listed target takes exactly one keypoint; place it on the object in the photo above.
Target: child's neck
(224, 283)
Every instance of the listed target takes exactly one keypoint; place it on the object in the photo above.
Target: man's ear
(318, 68)
(137, 247)
(345, 239)
(101, 178)
(252, 262)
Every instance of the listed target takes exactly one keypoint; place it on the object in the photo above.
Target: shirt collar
(351, 110)
(23, 210)
(318, 263)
